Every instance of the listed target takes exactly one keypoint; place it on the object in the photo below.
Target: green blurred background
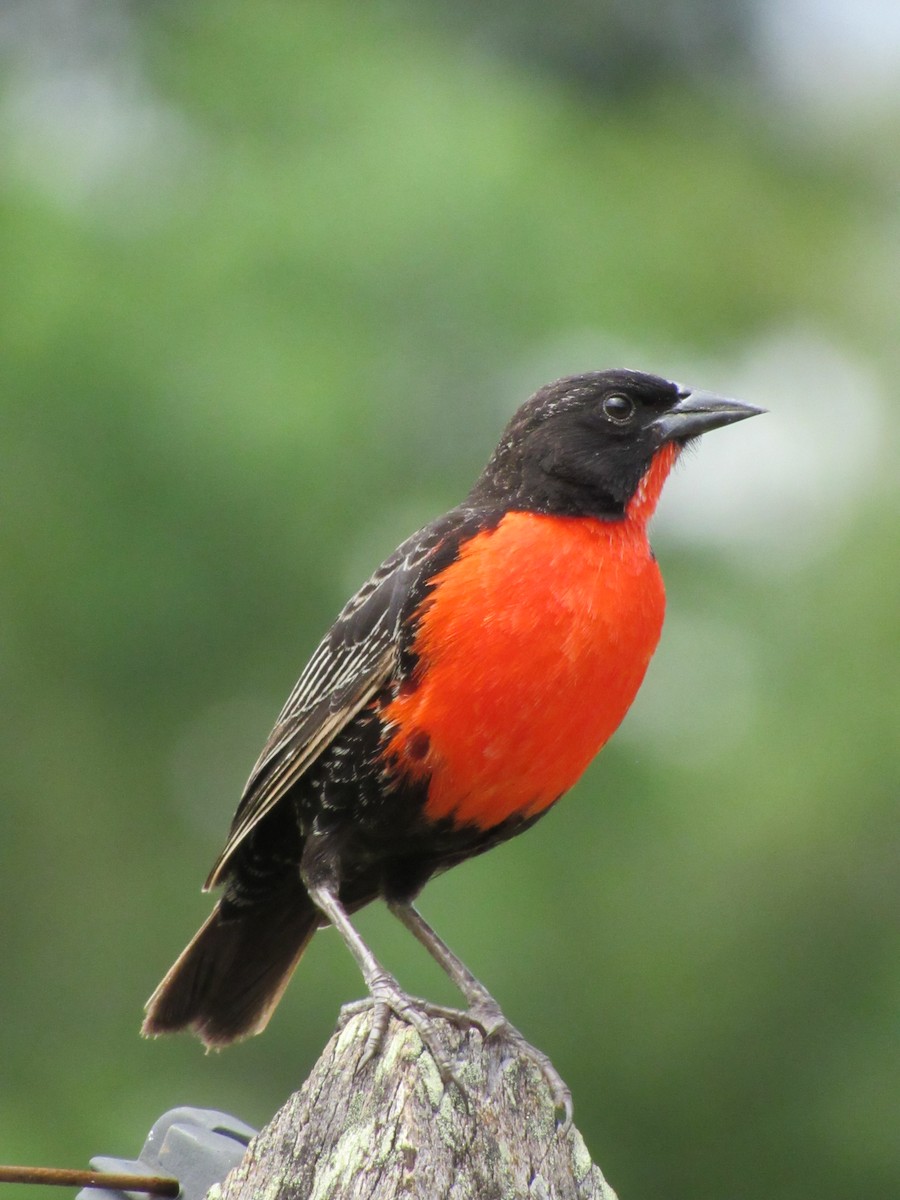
(274, 276)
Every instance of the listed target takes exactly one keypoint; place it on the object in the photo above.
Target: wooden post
(393, 1130)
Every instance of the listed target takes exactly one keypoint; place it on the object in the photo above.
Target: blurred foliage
(614, 47)
(273, 280)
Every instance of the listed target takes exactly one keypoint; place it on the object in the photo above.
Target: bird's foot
(388, 997)
(485, 1012)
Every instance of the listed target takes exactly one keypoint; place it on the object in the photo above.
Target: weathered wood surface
(392, 1129)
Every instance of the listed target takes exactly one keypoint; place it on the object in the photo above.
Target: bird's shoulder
(377, 616)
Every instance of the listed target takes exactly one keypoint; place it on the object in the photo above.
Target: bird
(460, 692)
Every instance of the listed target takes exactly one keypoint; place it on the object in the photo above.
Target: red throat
(643, 503)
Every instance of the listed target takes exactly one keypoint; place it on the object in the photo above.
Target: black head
(582, 445)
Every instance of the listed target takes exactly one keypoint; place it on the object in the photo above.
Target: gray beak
(698, 412)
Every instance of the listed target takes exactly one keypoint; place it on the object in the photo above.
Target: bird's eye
(619, 409)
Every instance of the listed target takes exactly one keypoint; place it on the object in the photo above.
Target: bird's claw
(502, 1030)
(484, 1013)
(559, 1089)
(388, 997)
(381, 1015)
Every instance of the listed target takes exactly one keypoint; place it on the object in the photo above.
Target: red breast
(531, 647)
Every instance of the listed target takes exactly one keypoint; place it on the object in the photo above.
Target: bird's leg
(484, 1011)
(386, 994)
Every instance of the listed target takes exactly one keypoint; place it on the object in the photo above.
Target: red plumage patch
(532, 645)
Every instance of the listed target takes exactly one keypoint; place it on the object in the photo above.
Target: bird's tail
(228, 980)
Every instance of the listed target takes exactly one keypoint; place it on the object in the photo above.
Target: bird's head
(599, 444)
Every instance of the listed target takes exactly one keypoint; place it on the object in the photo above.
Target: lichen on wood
(391, 1128)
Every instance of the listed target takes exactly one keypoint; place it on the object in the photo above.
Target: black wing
(351, 664)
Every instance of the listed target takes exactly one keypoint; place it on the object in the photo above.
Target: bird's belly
(531, 648)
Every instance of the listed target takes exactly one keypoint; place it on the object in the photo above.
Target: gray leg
(484, 1010)
(386, 994)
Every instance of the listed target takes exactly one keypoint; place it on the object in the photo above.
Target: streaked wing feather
(293, 753)
(350, 665)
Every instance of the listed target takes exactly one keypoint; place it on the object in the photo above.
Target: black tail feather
(228, 980)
